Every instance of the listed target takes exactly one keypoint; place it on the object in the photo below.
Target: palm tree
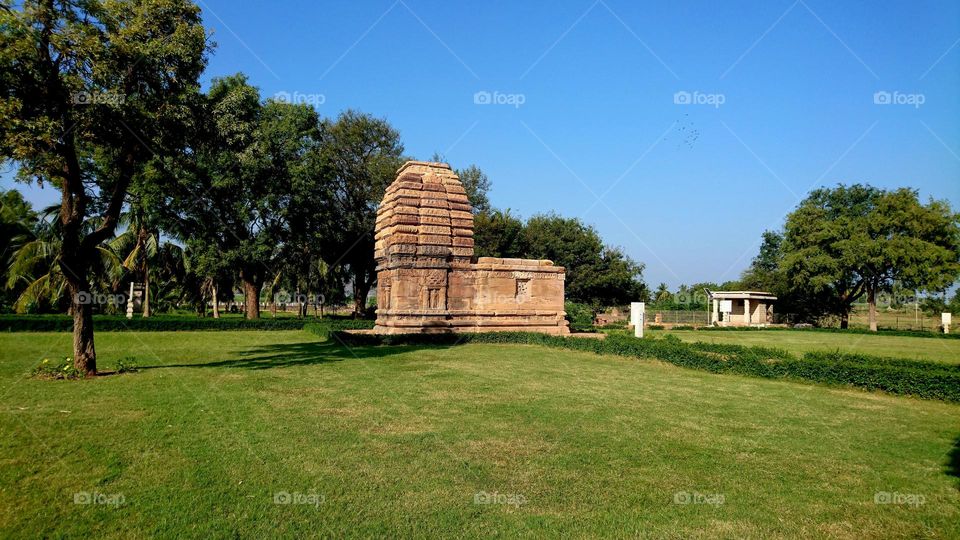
(138, 246)
(663, 293)
(36, 264)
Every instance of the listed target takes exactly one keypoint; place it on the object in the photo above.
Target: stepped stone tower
(428, 280)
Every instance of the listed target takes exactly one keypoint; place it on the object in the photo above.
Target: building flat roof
(742, 295)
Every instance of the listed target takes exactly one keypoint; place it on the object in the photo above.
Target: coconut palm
(36, 265)
(138, 246)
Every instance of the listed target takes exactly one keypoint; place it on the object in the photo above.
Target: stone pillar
(636, 318)
(130, 302)
(715, 314)
(747, 315)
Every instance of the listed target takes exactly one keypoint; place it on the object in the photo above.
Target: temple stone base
(428, 280)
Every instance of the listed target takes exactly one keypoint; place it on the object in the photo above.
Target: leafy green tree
(360, 155)
(91, 89)
(475, 183)
(240, 195)
(596, 274)
(498, 233)
(850, 242)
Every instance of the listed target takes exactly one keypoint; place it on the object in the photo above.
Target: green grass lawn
(399, 441)
(912, 348)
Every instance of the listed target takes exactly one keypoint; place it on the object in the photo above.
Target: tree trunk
(251, 296)
(146, 290)
(872, 303)
(360, 291)
(845, 320)
(84, 353)
(216, 302)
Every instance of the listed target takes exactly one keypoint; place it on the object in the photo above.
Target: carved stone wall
(428, 280)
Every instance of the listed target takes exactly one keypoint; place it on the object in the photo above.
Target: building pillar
(747, 316)
(715, 314)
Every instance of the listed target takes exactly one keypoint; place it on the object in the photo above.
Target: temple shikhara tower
(428, 280)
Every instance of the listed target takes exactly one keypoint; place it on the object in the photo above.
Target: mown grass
(799, 342)
(398, 441)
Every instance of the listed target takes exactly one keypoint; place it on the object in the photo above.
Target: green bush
(580, 317)
(881, 332)
(163, 323)
(57, 370)
(327, 327)
(897, 376)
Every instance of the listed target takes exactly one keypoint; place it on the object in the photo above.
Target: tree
(596, 274)
(360, 154)
(662, 294)
(475, 183)
(91, 89)
(239, 197)
(137, 246)
(850, 242)
(18, 224)
(498, 233)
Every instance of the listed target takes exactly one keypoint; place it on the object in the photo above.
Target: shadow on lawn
(294, 354)
(953, 461)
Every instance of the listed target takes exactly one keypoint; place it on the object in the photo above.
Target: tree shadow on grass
(282, 355)
(953, 461)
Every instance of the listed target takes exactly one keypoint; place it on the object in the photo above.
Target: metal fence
(886, 319)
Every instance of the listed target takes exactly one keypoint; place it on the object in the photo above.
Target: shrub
(163, 323)
(580, 317)
(57, 370)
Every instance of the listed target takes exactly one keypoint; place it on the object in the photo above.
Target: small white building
(741, 308)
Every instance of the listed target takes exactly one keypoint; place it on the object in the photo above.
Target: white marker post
(946, 319)
(636, 317)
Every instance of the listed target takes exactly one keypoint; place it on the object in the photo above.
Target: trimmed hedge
(326, 328)
(897, 376)
(165, 323)
(880, 332)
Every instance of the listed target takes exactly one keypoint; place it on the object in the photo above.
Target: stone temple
(428, 280)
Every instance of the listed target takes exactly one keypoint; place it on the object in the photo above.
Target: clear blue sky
(685, 188)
